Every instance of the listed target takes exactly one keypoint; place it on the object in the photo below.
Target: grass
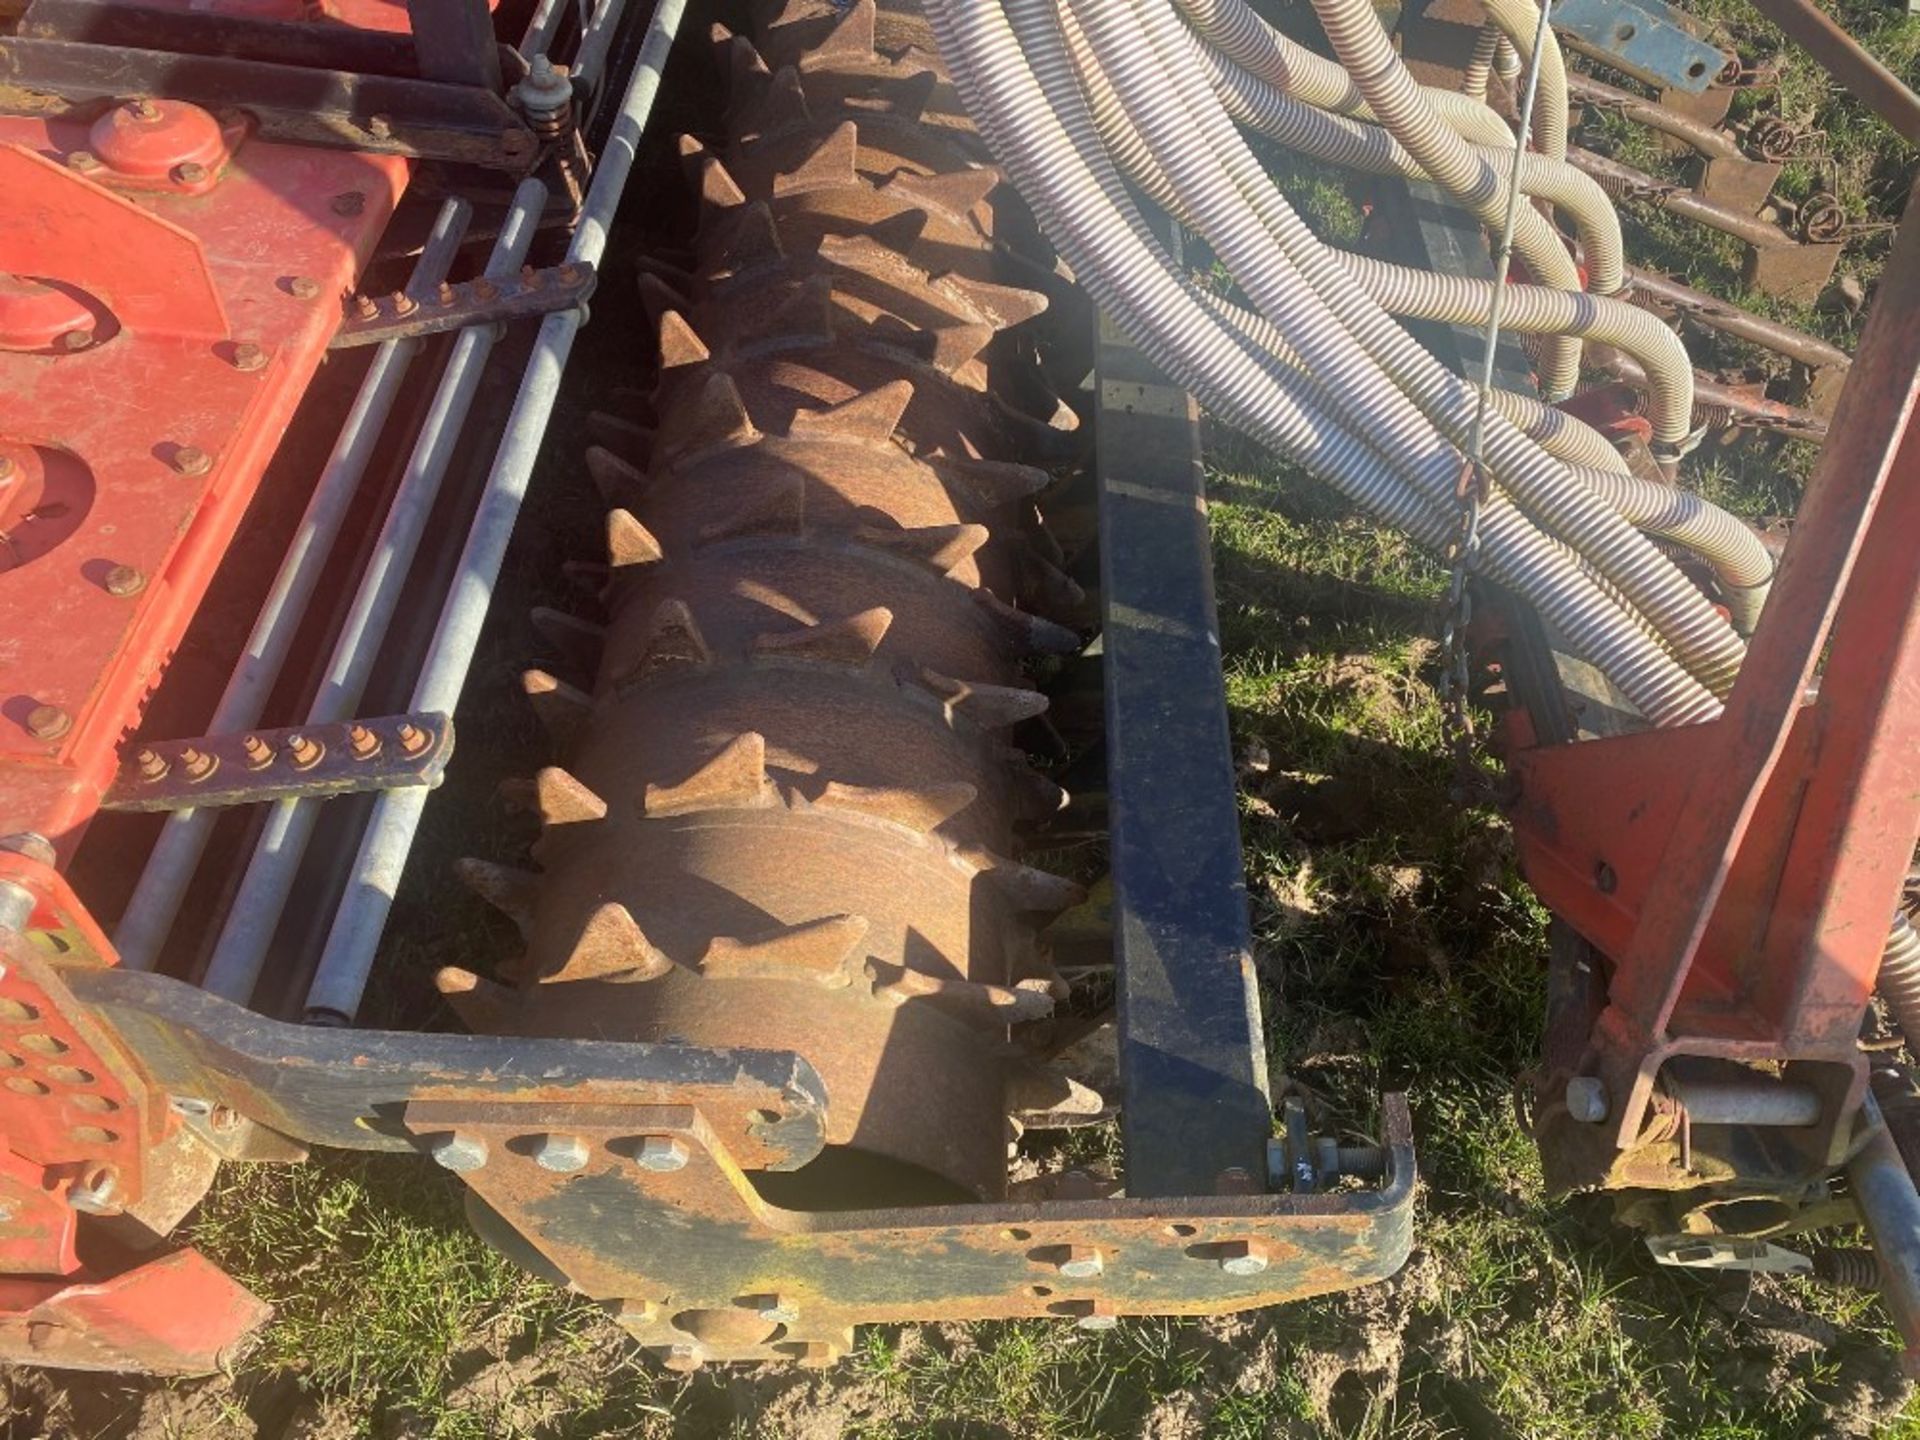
(1397, 949)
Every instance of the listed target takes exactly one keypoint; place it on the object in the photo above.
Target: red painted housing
(199, 296)
(168, 286)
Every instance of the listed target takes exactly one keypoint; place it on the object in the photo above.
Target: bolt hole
(1696, 70)
(1624, 33)
(23, 1085)
(93, 1104)
(1014, 1232)
(92, 1135)
(42, 1044)
(70, 1074)
(17, 1011)
(1182, 1232)
(1039, 1292)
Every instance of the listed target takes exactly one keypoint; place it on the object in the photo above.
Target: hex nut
(662, 1154)
(123, 581)
(1242, 1257)
(97, 1192)
(48, 722)
(458, 1153)
(774, 1309)
(1587, 1099)
(562, 1154)
(1080, 1262)
(192, 460)
(683, 1359)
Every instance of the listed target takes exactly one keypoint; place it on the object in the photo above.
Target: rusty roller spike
(561, 708)
(784, 810)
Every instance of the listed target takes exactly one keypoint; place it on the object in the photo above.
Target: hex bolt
(413, 739)
(1587, 1099)
(774, 1309)
(97, 1191)
(305, 751)
(248, 356)
(662, 1154)
(485, 289)
(362, 742)
(189, 172)
(365, 307)
(224, 1120)
(143, 109)
(258, 752)
(403, 303)
(83, 160)
(530, 278)
(192, 460)
(458, 1152)
(1088, 1314)
(152, 766)
(48, 722)
(74, 341)
(570, 274)
(683, 1359)
(348, 202)
(1242, 1257)
(123, 581)
(303, 287)
(199, 764)
(562, 1154)
(1079, 1262)
(445, 294)
(380, 127)
(35, 847)
(17, 904)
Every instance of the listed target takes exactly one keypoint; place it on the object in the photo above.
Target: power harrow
(901, 609)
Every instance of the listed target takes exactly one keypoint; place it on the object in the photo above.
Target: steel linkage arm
(1741, 875)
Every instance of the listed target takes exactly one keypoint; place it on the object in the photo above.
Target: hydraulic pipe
(241, 951)
(170, 869)
(341, 979)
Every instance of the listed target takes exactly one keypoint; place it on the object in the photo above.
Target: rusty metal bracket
(534, 292)
(301, 762)
(638, 1169)
(179, 1314)
(646, 1210)
(346, 1088)
(378, 114)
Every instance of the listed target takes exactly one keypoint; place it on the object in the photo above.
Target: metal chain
(1462, 554)
(1456, 704)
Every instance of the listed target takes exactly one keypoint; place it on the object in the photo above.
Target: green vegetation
(1397, 949)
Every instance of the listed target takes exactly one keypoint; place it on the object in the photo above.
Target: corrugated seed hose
(1076, 99)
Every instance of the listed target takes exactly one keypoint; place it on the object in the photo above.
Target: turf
(1397, 949)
